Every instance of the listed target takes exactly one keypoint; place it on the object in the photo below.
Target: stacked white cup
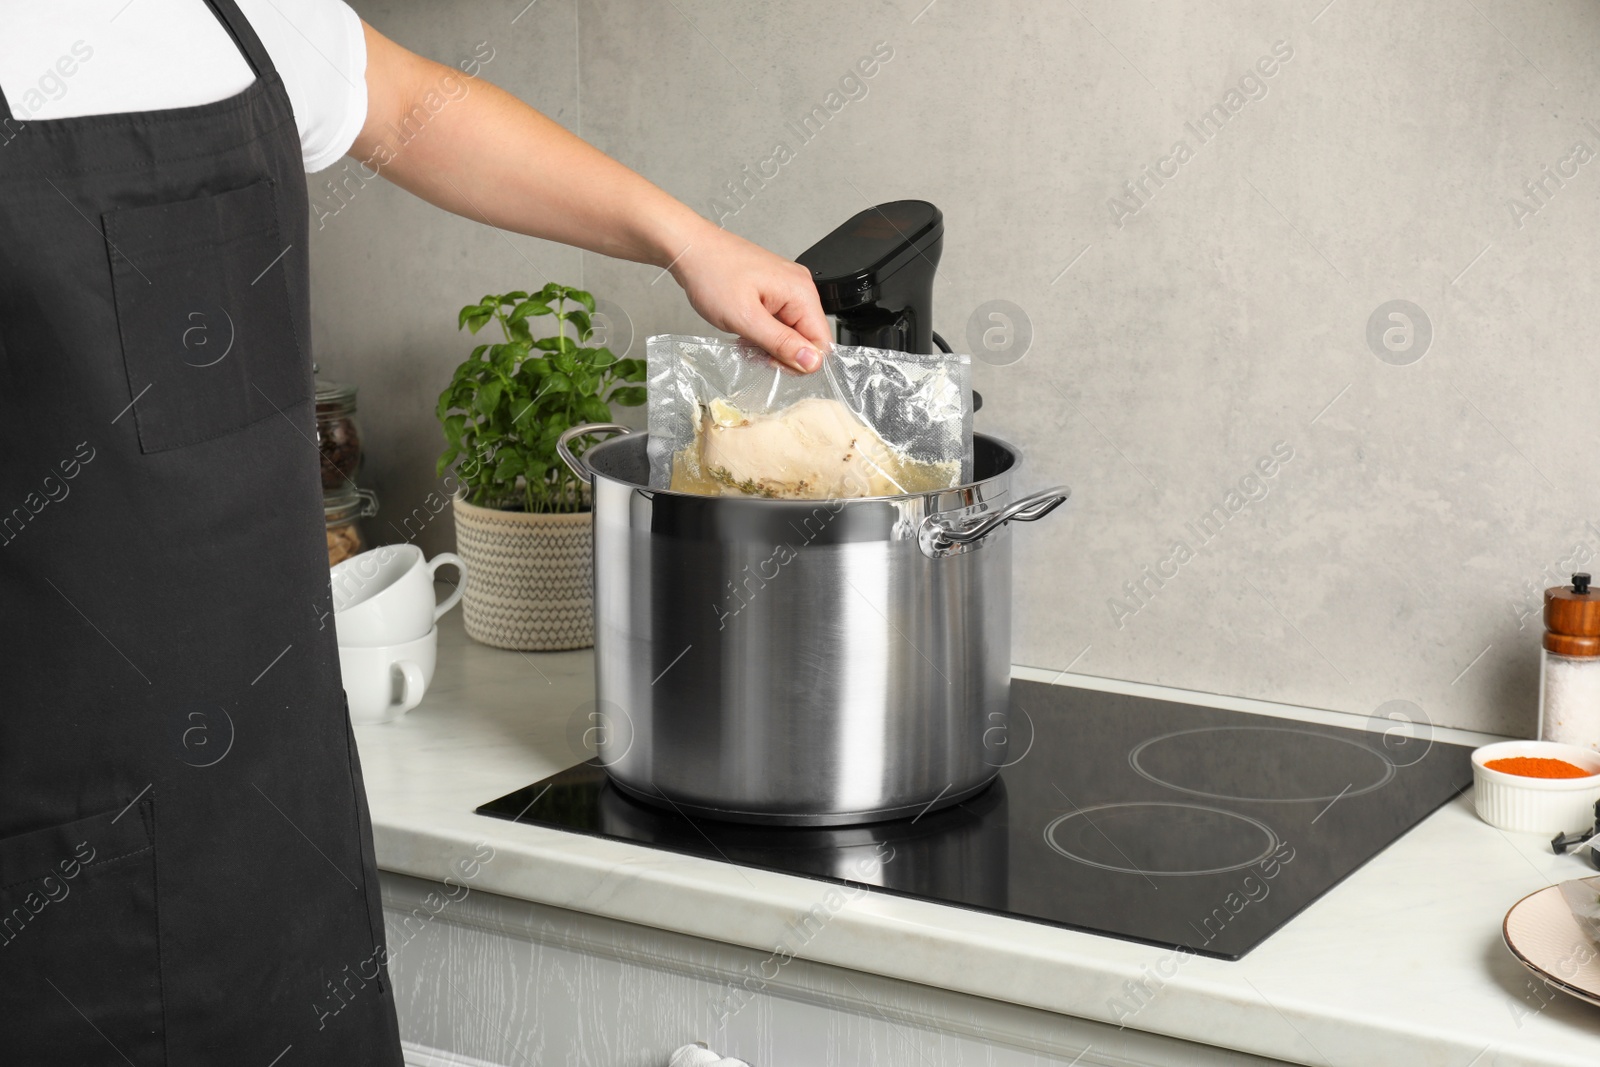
(384, 613)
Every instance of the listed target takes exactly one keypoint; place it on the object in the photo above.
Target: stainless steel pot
(814, 663)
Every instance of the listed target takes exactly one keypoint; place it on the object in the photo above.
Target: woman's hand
(742, 288)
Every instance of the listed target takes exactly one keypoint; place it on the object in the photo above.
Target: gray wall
(1232, 309)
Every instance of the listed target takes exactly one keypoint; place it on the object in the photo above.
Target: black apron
(186, 863)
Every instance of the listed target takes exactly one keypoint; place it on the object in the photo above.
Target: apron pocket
(209, 341)
(80, 967)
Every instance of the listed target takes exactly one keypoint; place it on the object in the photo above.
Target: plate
(1541, 932)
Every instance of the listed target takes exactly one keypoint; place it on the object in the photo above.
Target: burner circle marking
(1267, 834)
(1354, 789)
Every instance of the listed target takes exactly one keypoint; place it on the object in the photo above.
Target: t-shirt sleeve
(321, 54)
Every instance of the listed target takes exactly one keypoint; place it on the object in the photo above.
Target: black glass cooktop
(1165, 823)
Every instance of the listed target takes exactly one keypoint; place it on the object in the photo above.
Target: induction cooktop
(1188, 827)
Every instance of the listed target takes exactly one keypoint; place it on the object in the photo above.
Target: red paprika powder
(1537, 767)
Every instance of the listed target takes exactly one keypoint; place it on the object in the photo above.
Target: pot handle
(564, 449)
(943, 535)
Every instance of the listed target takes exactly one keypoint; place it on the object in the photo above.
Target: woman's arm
(487, 156)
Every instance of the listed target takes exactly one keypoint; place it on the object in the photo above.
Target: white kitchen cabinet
(482, 979)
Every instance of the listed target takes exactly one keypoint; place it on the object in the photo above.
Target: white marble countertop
(1401, 964)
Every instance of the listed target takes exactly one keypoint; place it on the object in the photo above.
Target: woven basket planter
(530, 578)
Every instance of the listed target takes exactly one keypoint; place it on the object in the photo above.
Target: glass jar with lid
(343, 511)
(338, 436)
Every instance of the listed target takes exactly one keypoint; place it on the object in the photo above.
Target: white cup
(385, 596)
(384, 682)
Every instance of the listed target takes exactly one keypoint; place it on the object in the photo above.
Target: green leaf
(629, 396)
(556, 382)
(489, 397)
(507, 466)
(583, 298)
(474, 317)
(631, 370)
(471, 467)
(593, 409)
(526, 417)
(581, 322)
(530, 307)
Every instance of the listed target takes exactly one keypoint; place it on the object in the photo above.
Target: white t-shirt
(60, 58)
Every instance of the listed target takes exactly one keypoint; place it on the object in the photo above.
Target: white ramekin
(1536, 805)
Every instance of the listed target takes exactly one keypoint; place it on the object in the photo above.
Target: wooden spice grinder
(1572, 619)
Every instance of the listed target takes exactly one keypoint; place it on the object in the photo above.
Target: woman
(162, 559)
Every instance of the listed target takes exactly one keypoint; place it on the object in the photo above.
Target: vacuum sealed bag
(728, 420)
(1583, 897)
